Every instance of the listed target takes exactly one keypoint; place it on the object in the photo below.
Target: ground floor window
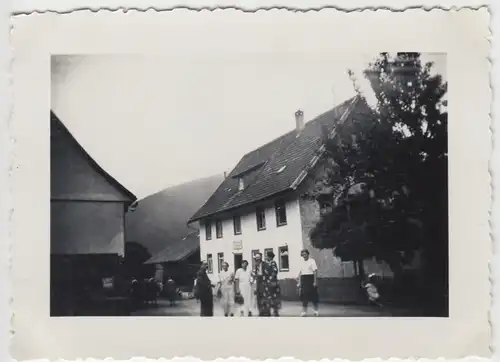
(220, 258)
(210, 263)
(283, 258)
(267, 250)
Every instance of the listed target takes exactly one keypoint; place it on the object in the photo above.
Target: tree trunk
(361, 269)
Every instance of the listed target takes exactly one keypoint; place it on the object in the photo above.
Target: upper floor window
(261, 218)
(280, 213)
(237, 224)
(208, 230)
(218, 229)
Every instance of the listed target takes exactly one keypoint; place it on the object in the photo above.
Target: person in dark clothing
(203, 292)
(171, 291)
(135, 294)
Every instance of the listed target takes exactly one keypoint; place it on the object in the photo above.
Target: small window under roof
(281, 169)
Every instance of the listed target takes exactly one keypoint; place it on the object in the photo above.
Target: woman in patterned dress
(269, 299)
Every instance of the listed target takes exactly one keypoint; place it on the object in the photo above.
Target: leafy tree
(386, 174)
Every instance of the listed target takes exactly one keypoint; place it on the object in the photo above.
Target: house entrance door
(238, 258)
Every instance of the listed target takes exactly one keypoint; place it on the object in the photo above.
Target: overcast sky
(157, 121)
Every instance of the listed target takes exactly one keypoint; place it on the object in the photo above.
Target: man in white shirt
(308, 283)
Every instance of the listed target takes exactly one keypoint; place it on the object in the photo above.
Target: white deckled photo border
(462, 34)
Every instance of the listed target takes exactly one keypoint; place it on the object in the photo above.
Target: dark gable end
(277, 166)
(57, 126)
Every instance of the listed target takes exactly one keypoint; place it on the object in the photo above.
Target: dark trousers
(207, 307)
(309, 293)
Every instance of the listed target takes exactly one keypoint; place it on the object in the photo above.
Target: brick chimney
(299, 121)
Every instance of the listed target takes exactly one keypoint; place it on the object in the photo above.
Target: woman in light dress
(244, 286)
(226, 287)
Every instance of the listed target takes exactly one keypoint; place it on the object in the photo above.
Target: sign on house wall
(238, 245)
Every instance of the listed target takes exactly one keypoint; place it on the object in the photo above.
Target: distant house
(179, 260)
(159, 225)
(87, 208)
(259, 207)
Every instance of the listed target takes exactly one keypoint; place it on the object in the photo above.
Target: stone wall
(328, 265)
(330, 290)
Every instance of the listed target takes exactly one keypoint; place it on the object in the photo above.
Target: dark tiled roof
(276, 166)
(56, 123)
(177, 251)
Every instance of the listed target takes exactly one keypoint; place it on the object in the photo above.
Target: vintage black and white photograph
(262, 185)
(198, 183)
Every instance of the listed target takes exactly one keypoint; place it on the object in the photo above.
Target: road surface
(289, 309)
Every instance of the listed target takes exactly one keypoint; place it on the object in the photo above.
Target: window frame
(241, 183)
(210, 263)
(217, 235)
(266, 250)
(277, 207)
(220, 261)
(280, 248)
(208, 230)
(237, 217)
(260, 211)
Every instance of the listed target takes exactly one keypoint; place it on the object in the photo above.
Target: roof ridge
(286, 149)
(306, 124)
(348, 102)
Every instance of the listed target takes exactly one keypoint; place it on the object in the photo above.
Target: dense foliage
(386, 175)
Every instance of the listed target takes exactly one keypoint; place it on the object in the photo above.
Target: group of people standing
(255, 288)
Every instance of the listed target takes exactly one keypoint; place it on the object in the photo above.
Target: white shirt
(226, 279)
(244, 276)
(308, 267)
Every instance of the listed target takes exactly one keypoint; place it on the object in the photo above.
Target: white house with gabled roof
(260, 206)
